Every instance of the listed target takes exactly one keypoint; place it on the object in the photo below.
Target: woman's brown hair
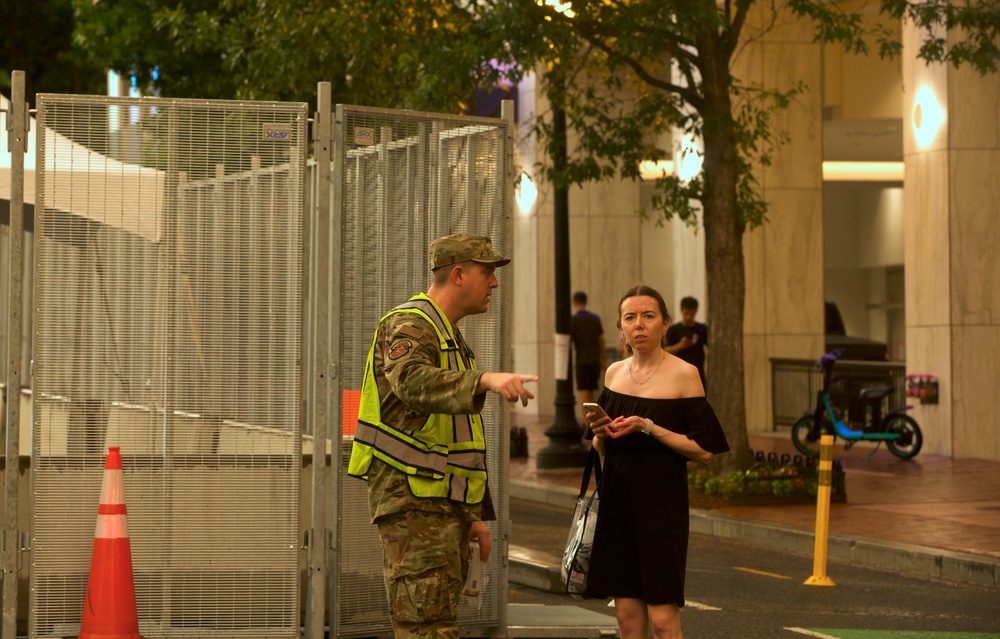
(640, 291)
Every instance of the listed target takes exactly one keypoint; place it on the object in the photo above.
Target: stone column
(784, 258)
(607, 254)
(951, 150)
(531, 289)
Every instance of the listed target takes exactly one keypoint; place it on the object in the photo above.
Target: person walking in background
(591, 360)
(688, 339)
(420, 442)
(657, 419)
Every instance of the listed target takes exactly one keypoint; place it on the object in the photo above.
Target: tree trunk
(725, 274)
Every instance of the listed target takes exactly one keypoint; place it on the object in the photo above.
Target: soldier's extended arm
(412, 367)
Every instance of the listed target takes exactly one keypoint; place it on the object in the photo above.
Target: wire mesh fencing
(401, 179)
(168, 322)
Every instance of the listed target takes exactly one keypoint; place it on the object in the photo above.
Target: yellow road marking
(760, 572)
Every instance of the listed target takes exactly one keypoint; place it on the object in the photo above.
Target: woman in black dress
(658, 420)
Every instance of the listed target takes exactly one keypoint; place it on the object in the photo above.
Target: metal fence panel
(401, 179)
(168, 322)
(794, 384)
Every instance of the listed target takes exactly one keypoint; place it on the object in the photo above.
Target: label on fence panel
(277, 132)
(364, 136)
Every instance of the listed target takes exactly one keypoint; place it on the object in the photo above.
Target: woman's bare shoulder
(681, 379)
(614, 370)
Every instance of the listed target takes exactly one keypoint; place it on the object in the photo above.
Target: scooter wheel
(910, 438)
(806, 433)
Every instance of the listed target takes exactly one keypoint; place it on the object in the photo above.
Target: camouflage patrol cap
(460, 247)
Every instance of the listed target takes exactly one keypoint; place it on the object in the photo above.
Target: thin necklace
(648, 377)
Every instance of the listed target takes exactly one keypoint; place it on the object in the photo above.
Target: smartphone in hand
(591, 406)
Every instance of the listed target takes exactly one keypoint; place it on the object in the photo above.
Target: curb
(542, 494)
(534, 569)
(920, 560)
(541, 570)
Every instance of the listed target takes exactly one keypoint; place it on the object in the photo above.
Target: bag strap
(593, 464)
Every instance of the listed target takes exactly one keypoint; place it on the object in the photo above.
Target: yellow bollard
(819, 577)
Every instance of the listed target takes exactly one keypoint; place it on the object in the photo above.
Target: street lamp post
(565, 448)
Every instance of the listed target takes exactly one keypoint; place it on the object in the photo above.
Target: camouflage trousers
(425, 563)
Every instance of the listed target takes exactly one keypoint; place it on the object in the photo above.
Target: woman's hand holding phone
(595, 408)
(597, 419)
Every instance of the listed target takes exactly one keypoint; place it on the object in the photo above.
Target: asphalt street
(741, 591)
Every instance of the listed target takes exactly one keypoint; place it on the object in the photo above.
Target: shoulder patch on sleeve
(400, 348)
(410, 330)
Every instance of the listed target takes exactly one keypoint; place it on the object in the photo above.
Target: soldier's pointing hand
(510, 385)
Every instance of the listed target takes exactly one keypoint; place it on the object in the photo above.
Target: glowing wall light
(862, 171)
(688, 159)
(650, 170)
(525, 194)
(927, 116)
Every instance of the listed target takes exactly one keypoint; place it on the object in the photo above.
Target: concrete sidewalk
(932, 515)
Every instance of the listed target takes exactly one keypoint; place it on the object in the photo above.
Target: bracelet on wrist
(648, 430)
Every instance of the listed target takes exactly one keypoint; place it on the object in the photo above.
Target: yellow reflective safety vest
(446, 457)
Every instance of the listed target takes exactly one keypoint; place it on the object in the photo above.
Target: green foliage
(697, 477)
(628, 76)
(762, 481)
(833, 24)
(713, 486)
(972, 27)
(392, 53)
(36, 38)
(195, 49)
(608, 66)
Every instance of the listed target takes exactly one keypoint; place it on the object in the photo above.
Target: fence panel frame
(439, 210)
(248, 452)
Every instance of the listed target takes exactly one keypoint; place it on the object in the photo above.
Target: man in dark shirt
(688, 339)
(591, 359)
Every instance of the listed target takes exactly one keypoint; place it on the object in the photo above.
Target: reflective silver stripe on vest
(468, 459)
(462, 426)
(458, 488)
(426, 461)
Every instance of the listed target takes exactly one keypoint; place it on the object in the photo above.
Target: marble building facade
(939, 226)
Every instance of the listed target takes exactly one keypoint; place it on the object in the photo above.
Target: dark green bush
(769, 479)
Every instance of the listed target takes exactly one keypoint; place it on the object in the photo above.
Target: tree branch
(671, 41)
(674, 41)
(689, 94)
(736, 26)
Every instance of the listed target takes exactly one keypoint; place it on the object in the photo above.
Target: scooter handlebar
(828, 359)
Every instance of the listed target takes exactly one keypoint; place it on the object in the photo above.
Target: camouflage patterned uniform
(423, 539)
(425, 562)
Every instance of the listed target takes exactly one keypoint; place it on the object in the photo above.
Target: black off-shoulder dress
(640, 544)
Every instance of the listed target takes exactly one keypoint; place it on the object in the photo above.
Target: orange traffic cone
(109, 611)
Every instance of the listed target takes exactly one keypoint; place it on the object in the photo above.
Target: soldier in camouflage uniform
(425, 537)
